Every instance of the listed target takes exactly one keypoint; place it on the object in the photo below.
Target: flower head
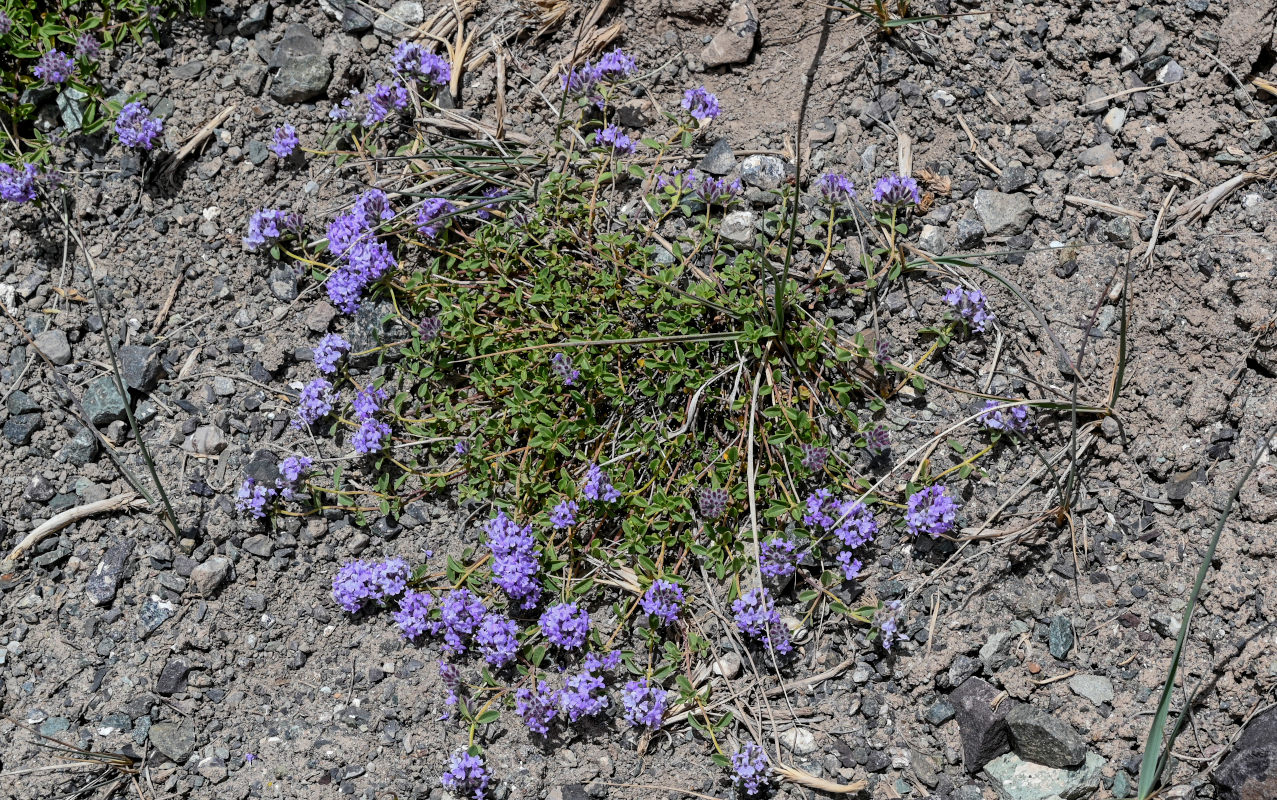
(877, 442)
(54, 67)
(491, 201)
(252, 497)
(314, 402)
(291, 472)
(700, 104)
(561, 365)
(328, 351)
(778, 557)
(413, 62)
(887, 621)
(713, 502)
(432, 217)
(616, 139)
(662, 601)
(460, 613)
(268, 226)
(971, 307)
(413, 615)
(136, 128)
(368, 437)
(564, 514)
(498, 640)
(714, 191)
(18, 185)
(643, 704)
(583, 695)
(836, 189)
(598, 487)
(87, 47)
(757, 618)
(429, 328)
(383, 100)
(1015, 419)
(931, 511)
(815, 457)
(285, 141)
(467, 776)
(753, 776)
(566, 625)
(538, 707)
(515, 560)
(897, 190)
(6, 23)
(355, 584)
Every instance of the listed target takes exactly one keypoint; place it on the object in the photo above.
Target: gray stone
(399, 18)
(994, 652)
(105, 580)
(72, 103)
(735, 42)
(154, 613)
(941, 712)
(869, 159)
(798, 741)
(303, 69)
(982, 729)
(54, 726)
(251, 77)
(213, 769)
(20, 402)
(764, 172)
(209, 576)
(1045, 738)
(932, 240)
(375, 323)
(1060, 637)
(1168, 625)
(355, 18)
(1115, 119)
(102, 401)
(283, 284)
(258, 152)
(963, 667)
(738, 226)
(206, 440)
(39, 490)
(1003, 214)
(173, 677)
(1016, 779)
(1096, 688)
(968, 233)
(19, 430)
(720, 159)
(53, 343)
(82, 448)
(1101, 162)
(259, 545)
(223, 386)
(1171, 72)
(1249, 772)
(174, 739)
(255, 19)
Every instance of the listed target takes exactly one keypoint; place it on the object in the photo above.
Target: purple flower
(850, 565)
(368, 438)
(252, 497)
(87, 47)
(267, 227)
(757, 618)
(643, 704)
(373, 206)
(291, 472)
(662, 601)
(6, 23)
(18, 186)
(613, 66)
(714, 191)
(383, 100)
(593, 663)
(466, 777)
(566, 625)
(753, 776)
(1015, 420)
(887, 621)
(537, 708)
(491, 196)
(836, 189)
(461, 612)
(897, 190)
(136, 128)
(391, 577)
(285, 141)
(429, 328)
(515, 560)
(366, 263)
(700, 104)
(931, 511)
(564, 514)
(461, 447)
(598, 487)
(328, 351)
(877, 442)
(713, 503)
(249, 758)
(432, 217)
(971, 307)
(315, 402)
(450, 676)
(413, 616)
(616, 138)
(777, 558)
(561, 365)
(815, 458)
(412, 62)
(498, 640)
(583, 696)
(54, 67)
(355, 584)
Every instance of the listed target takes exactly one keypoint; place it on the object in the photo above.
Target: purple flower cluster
(714, 191)
(252, 497)
(360, 582)
(268, 226)
(700, 104)
(778, 557)
(450, 677)
(877, 442)
(429, 328)
(757, 618)
(6, 23)
(285, 141)
(432, 217)
(413, 62)
(561, 365)
(314, 402)
(329, 351)
(352, 238)
(413, 616)
(836, 189)
(713, 502)
(887, 621)
(931, 511)
(815, 457)
(753, 776)
(849, 520)
(368, 438)
(136, 128)
(564, 514)
(537, 707)
(498, 640)
(583, 695)
(515, 560)
(383, 100)
(598, 487)
(467, 776)
(18, 185)
(615, 138)
(585, 82)
(971, 306)
(87, 47)
(662, 601)
(897, 190)
(291, 472)
(491, 197)
(460, 614)
(566, 625)
(643, 704)
(1016, 419)
(54, 67)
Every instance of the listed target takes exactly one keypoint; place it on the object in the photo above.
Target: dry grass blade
(1203, 204)
(127, 500)
(1102, 206)
(820, 784)
(198, 139)
(591, 43)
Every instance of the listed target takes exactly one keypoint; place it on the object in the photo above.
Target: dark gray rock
(1044, 738)
(173, 677)
(941, 712)
(190, 71)
(20, 402)
(251, 78)
(1060, 637)
(174, 739)
(39, 490)
(255, 19)
(720, 159)
(355, 19)
(154, 613)
(283, 284)
(19, 430)
(139, 366)
(102, 401)
(968, 234)
(734, 43)
(258, 152)
(963, 667)
(105, 580)
(399, 18)
(259, 545)
(82, 448)
(764, 172)
(374, 324)
(1250, 770)
(302, 68)
(53, 343)
(209, 576)
(982, 729)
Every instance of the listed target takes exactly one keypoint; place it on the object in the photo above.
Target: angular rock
(1096, 688)
(1249, 772)
(302, 68)
(20, 402)
(173, 677)
(102, 401)
(207, 440)
(174, 739)
(209, 576)
(1044, 738)
(1003, 214)
(738, 226)
(53, 343)
(213, 769)
(982, 729)
(1100, 161)
(764, 172)
(1060, 637)
(139, 366)
(154, 613)
(259, 545)
(39, 490)
(1016, 779)
(374, 324)
(941, 712)
(19, 430)
(399, 18)
(798, 741)
(735, 42)
(255, 19)
(105, 580)
(720, 159)
(82, 448)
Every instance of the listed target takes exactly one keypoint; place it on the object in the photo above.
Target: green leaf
(488, 717)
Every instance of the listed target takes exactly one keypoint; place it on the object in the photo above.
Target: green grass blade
(1156, 754)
